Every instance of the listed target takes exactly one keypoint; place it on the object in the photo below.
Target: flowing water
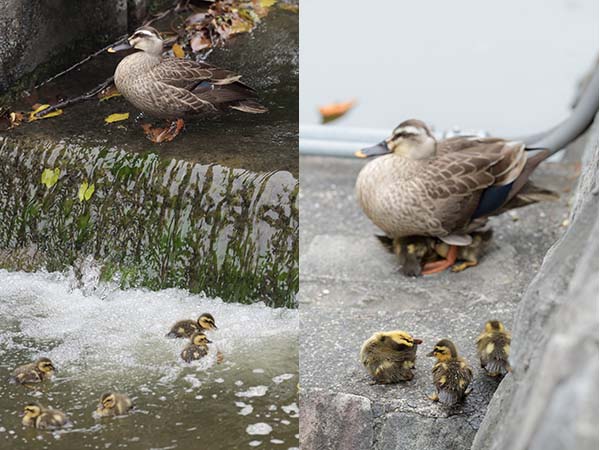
(102, 338)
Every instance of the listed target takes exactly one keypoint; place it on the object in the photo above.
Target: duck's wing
(186, 74)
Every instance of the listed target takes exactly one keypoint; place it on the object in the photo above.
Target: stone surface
(550, 401)
(351, 287)
(34, 32)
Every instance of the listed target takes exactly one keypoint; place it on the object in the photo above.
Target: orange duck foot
(441, 265)
(158, 135)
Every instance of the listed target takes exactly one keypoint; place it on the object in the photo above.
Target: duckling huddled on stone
(36, 416)
(114, 404)
(390, 356)
(451, 374)
(493, 348)
(197, 348)
(186, 328)
(40, 370)
(171, 88)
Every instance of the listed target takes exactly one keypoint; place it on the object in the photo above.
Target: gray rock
(34, 32)
(550, 401)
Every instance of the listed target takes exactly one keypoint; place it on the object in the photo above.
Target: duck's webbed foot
(158, 135)
(442, 264)
(463, 265)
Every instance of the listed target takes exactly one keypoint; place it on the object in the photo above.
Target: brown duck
(172, 88)
(446, 189)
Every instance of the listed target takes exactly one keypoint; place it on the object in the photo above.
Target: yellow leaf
(32, 114)
(50, 177)
(267, 3)
(85, 191)
(117, 117)
(178, 50)
(89, 191)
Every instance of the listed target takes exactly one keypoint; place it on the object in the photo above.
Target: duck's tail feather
(249, 106)
(529, 194)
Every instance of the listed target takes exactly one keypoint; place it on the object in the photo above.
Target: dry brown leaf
(334, 111)
(178, 51)
(199, 42)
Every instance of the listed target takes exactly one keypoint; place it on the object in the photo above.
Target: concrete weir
(539, 277)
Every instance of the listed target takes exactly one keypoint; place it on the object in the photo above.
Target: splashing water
(102, 338)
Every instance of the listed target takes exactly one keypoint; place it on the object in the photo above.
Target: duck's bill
(417, 341)
(209, 342)
(430, 353)
(377, 150)
(120, 47)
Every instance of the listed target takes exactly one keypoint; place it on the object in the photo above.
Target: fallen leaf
(109, 92)
(85, 191)
(289, 7)
(195, 18)
(32, 114)
(267, 3)
(117, 117)
(50, 177)
(334, 111)
(199, 42)
(178, 51)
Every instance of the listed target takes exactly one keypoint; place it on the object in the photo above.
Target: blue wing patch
(491, 199)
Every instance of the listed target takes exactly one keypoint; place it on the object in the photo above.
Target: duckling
(113, 404)
(412, 251)
(36, 416)
(468, 255)
(493, 347)
(390, 356)
(197, 348)
(451, 374)
(186, 328)
(35, 372)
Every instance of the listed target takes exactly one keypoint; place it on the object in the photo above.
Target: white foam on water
(283, 377)
(292, 409)
(254, 391)
(260, 428)
(123, 331)
(246, 409)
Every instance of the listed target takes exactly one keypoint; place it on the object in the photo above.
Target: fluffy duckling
(186, 328)
(113, 404)
(35, 372)
(197, 348)
(412, 252)
(36, 416)
(468, 255)
(390, 356)
(493, 348)
(451, 374)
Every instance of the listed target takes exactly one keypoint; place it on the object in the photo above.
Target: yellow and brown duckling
(113, 404)
(197, 348)
(451, 374)
(186, 328)
(493, 348)
(390, 356)
(412, 252)
(36, 416)
(40, 370)
(466, 256)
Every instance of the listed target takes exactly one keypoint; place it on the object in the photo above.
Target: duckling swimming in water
(197, 348)
(186, 328)
(113, 404)
(35, 372)
(493, 348)
(451, 374)
(390, 356)
(36, 416)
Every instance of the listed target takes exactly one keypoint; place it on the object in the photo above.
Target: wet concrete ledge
(351, 287)
(151, 222)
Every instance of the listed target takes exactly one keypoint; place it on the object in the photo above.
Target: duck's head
(200, 339)
(45, 366)
(494, 325)
(146, 39)
(444, 350)
(32, 410)
(396, 340)
(411, 139)
(207, 322)
(107, 401)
